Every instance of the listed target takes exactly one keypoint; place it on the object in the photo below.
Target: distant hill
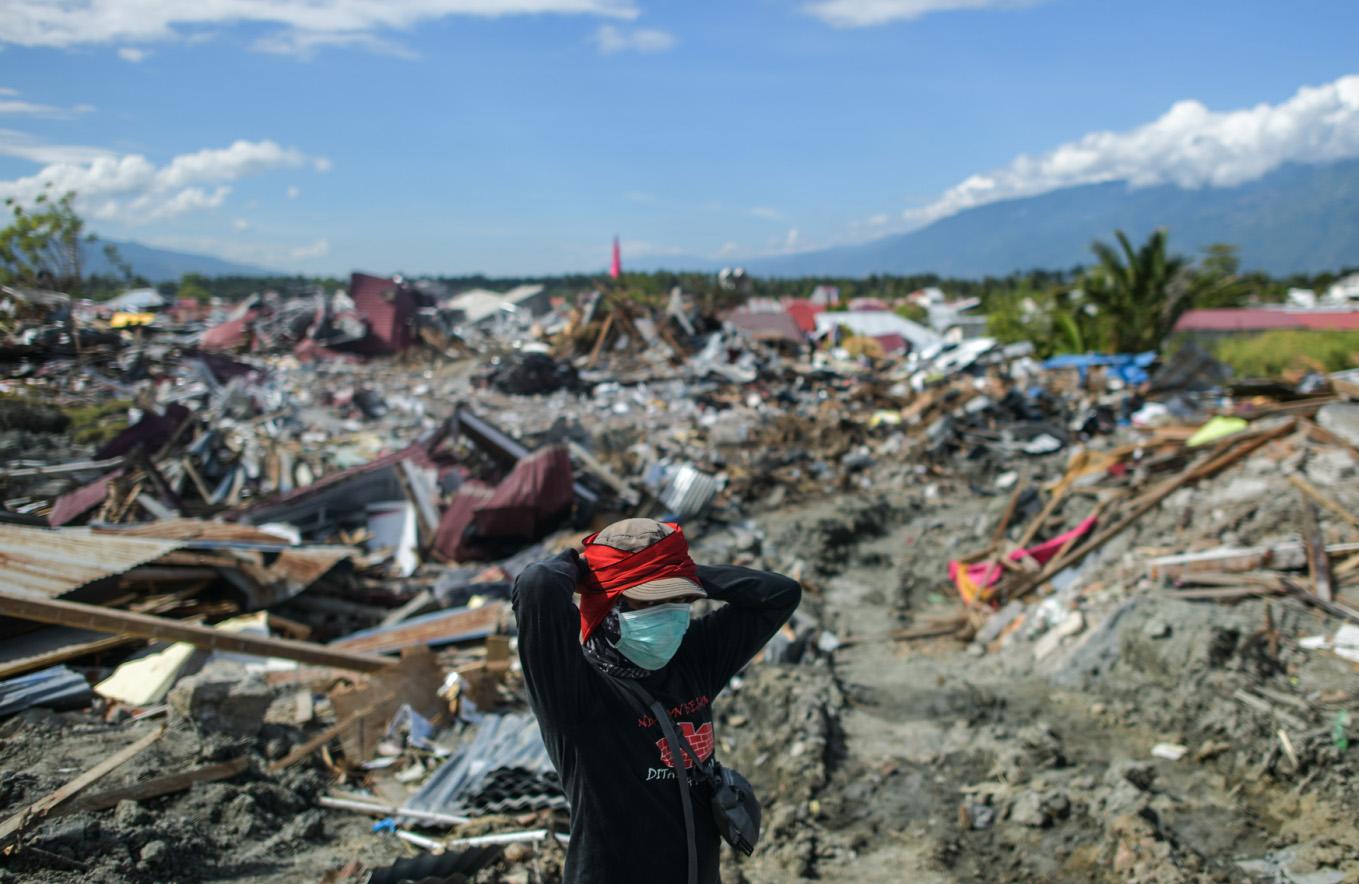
(1296, 219)
(164, 265)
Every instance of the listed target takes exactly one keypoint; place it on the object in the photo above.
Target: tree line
(1127, 299)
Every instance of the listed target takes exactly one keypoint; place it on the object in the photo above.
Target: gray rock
(1157, 628)
(154, 852)
(1341, 418)
(222, 700)
(130, 815)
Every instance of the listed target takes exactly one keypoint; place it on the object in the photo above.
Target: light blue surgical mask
(651, 636)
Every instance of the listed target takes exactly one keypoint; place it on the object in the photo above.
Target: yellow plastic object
(1216, 429)
(125, 320)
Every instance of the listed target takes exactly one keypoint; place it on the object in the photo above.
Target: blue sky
(517, 136)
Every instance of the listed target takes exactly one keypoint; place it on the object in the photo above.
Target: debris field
(1094, 618)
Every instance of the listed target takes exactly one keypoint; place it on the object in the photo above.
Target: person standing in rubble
(636, 582)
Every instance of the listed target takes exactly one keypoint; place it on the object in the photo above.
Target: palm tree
(1140, 293)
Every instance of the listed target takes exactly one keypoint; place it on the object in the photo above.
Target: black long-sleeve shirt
(626, 820)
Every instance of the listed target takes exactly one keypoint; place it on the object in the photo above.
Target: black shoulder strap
(642, 698)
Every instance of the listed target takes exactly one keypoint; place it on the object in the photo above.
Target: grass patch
(1278, 353)
(98, 423)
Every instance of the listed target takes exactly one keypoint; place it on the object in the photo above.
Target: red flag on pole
(616, 268)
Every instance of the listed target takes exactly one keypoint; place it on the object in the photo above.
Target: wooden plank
(1036, 525)
(998, 535)
(163, 785)
(1325, 500)
(118, 622)
(1318, 563)
(11, 668)
(1335, 609)
(316, 742)
(1228, 455)
(599, 342)
(35, 812)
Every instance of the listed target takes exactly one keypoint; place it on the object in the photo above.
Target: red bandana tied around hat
(613, 571)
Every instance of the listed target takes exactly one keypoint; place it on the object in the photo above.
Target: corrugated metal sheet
(505, 767)
(687, 492)
(54, 562)
(56, 688)
(431, 630)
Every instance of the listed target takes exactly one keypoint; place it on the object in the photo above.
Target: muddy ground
(1023, 756)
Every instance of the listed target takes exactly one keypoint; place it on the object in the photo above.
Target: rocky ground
(1017, 754)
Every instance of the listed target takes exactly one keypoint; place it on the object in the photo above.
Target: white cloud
(132, 189)
(610, 39)
(1189, 146)
(767, 213)
(240, 224)
(322, 164)
(639, 196)
(305, 44)
(11, 105)
(133, 54)
(293, 191)
(64, 23)
(318, 249)
(26, 147)
(790, 242)
(866, 13)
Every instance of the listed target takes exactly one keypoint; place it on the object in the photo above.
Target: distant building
(877, 324)
(1344, 290)
(146, 300)
(825, 296)
(1222, 322)
(476, 306)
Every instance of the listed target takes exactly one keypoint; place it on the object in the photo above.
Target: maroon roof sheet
(1257, 319)
(766, 325)
(524, 506)
(388, 308)
(804, 314)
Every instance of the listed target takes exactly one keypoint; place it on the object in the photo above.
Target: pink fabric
(616, 266)
(984, 574)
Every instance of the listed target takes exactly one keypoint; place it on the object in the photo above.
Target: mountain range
(1295, 219)
(163, 265)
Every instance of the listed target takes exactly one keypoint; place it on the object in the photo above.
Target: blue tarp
(1130, 368)
(55, 688)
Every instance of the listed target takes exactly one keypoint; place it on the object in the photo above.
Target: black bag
(735, 809)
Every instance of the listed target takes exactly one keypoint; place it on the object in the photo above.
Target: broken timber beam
(1318, 563)
(165, 785)
(1139, 507)
(15, 825)
(1320, 497)
(117, 622)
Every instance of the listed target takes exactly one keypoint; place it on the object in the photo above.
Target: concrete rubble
(1088, 619)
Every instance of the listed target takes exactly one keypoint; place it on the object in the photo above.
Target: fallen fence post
(120, 622)
(36, 811)
(154, 788)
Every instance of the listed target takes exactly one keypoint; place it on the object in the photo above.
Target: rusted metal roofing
(52, 562)
(431, 630)
(192, 529)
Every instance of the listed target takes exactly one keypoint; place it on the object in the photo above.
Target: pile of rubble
(256, 571)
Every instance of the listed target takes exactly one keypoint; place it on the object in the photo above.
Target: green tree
(195, 286)
(41, 246)
(1138, 294)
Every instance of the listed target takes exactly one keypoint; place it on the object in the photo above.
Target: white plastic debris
(1169, 751)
